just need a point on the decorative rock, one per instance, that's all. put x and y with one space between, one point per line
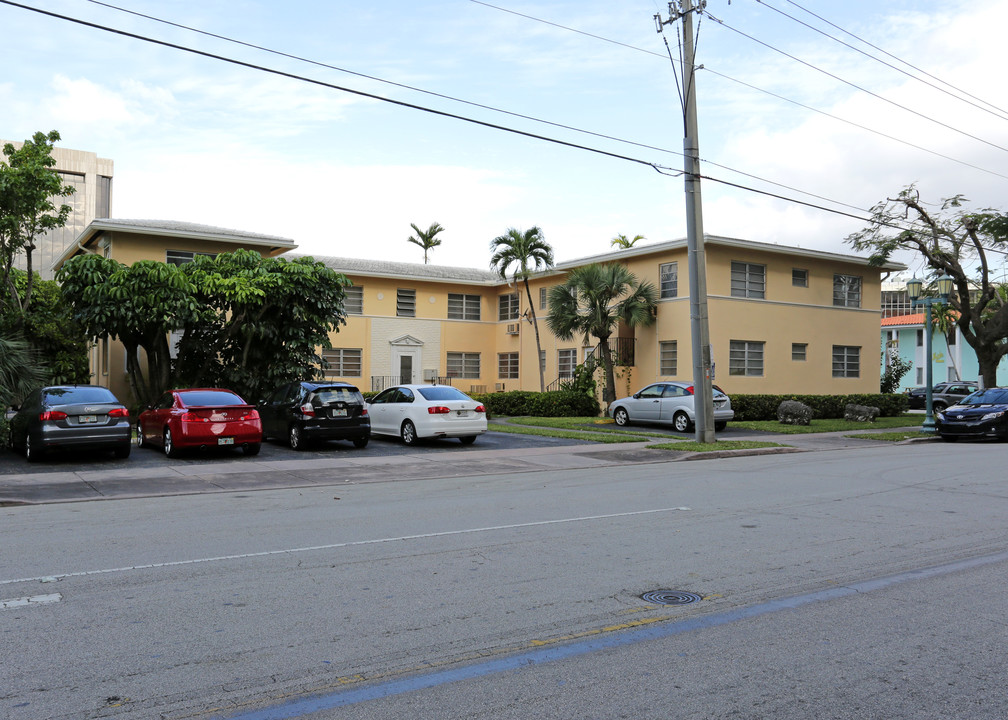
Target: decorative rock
792 412
860 413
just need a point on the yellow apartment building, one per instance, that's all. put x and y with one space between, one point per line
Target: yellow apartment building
782 319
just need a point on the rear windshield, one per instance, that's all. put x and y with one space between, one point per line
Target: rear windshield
67 396
337 394
988 396
443 392
195 398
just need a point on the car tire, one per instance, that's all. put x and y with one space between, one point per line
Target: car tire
938 406
621 417
408 433
681 422
32 454
251 449
169 447
467 439
295 439
123 451
719 426
360 442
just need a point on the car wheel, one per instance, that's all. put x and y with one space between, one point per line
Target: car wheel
719 426
251 449
360 442
681 421
295 438
140 441
169 447
467 440
621 417
32 454
408 433
123 451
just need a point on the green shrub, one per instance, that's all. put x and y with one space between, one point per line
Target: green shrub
764 407
564 403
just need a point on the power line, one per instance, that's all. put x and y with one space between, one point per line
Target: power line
879 60
853 85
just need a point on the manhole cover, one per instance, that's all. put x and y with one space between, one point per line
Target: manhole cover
670 597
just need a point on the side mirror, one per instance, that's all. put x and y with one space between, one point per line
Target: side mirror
636 396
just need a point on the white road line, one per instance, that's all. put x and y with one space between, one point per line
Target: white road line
33 600
356 543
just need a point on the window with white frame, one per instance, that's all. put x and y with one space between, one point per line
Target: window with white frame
920 338
405 302
799 351
745 357
566 362
542 360
507 365
847 290
846 361
463 364
668 278
748 280
354 302
183 257
668 357
543 298
507 306
463 307
342 362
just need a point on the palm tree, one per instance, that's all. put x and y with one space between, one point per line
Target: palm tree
20 369
623 242
513 254
593 301
425 238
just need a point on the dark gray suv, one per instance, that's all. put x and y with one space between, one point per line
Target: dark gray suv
943 394
302 412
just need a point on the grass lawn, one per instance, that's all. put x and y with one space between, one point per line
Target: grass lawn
547 431
830 425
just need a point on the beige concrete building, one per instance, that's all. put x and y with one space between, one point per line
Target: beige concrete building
91 178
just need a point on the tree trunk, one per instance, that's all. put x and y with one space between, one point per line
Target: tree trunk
535 325
988 362
610 377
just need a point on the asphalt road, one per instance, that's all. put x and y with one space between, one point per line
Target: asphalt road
846 583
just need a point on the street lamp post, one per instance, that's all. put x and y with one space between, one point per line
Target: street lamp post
914 288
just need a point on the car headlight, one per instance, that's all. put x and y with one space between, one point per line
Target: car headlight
940 417
992 416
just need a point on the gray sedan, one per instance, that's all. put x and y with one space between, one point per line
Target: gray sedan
82 417
668 402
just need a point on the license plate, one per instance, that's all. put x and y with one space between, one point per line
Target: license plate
337 412
225 441
462 413
87 419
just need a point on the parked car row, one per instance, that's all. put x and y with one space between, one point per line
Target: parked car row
299 413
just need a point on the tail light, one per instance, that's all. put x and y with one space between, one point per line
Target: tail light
193 417
118 412
307 409
363 412
50 415
252 414
690 389
438 410
480 408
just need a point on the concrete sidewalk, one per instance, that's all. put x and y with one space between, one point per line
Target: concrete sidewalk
259 474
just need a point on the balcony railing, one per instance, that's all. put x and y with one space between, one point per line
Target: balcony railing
380 382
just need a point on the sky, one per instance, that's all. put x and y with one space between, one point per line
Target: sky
782 109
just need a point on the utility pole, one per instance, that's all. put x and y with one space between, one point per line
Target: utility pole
703 395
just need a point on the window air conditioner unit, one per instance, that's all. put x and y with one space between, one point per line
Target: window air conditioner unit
512 328
498 387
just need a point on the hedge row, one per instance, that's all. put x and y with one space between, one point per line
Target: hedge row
553 403
764 407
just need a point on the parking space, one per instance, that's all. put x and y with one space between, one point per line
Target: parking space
150 458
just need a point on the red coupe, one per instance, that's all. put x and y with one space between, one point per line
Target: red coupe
200 418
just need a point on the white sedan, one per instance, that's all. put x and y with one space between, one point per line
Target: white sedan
426 411
668 402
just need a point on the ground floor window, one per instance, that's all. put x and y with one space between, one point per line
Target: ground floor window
566 362
745 357
342 362
507 365
668 358
463 364
846 361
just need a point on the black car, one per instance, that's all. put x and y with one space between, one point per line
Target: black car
983 414
81 417
943 394
302 412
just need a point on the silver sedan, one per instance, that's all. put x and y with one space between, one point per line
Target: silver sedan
668 402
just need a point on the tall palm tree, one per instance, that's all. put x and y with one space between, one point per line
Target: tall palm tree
425 238
623 242
593 301
518 254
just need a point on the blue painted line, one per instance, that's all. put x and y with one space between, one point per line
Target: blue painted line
540 656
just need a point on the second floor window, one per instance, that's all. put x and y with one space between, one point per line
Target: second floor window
507 307
668 277
405 303
354 303
748 280
847 291
463 307
799 277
